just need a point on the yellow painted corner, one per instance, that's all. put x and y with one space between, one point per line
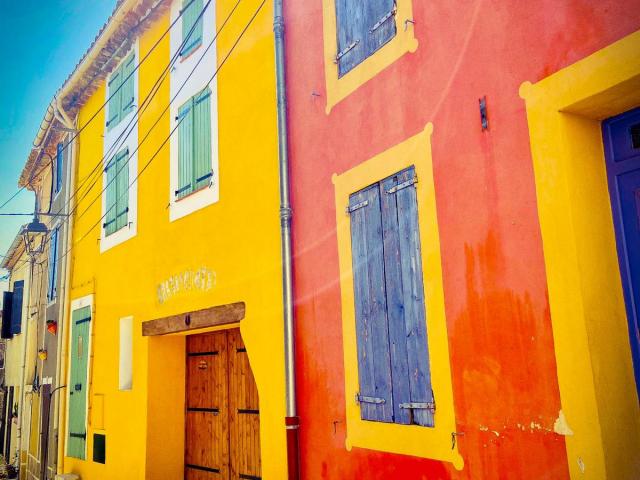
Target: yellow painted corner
403 42
434 443
595 372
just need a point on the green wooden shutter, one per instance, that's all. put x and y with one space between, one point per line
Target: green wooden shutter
78 385
202 139
113 116
110 198
191 26
122 189
185 150
127 92
374 370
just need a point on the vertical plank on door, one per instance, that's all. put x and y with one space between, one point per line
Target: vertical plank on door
206 446
244 421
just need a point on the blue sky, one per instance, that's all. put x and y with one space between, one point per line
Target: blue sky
42 40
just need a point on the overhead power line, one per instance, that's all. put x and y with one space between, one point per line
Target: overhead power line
154 46
173 130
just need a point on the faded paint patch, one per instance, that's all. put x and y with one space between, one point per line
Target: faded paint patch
561 427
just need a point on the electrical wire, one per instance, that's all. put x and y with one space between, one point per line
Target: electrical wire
33 175
244 30
159 118
140 109
120 140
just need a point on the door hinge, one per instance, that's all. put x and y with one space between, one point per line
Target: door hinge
381 22
353 208
402 185
345 51
78 435
365 399
419 406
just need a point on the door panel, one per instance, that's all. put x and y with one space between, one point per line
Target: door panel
207 455
222 417
622 142
244 416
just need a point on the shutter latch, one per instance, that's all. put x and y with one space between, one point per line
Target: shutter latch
345 51
365 399
402 185
353 208
431 406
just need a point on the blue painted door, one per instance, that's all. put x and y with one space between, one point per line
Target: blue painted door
621 136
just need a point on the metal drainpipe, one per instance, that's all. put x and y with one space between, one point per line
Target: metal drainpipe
292 421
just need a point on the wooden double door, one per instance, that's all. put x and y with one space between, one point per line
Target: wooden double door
222 411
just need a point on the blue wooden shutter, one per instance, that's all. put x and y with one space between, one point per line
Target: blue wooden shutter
202 139
351 28
412 393
53 267
374 370
7 301
191 26
380 24
113 115
127 91
185 150
362 28
59 166
122 189
16 307
110 198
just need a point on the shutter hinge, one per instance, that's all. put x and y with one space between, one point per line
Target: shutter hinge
345 51
420 406
365 399
402 185
381 22
353 208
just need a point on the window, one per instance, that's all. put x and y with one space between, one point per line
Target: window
194 149
54 248
117 193
191 26
59 167
121 92
125 372
393 358
362 28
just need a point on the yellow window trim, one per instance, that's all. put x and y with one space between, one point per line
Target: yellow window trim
588 317
434 443
404 41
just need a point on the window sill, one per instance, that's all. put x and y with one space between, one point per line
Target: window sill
184 58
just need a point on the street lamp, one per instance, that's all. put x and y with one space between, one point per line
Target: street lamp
34 235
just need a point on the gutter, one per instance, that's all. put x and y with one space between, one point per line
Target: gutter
292 421
64 311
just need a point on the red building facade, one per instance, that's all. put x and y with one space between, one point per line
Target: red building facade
446 91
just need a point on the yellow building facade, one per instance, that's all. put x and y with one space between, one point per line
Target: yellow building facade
177 258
